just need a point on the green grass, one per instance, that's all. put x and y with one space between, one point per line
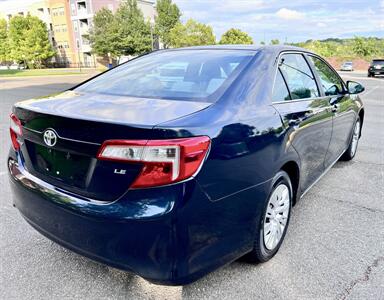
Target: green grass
40 72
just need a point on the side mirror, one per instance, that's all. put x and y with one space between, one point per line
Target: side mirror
354 87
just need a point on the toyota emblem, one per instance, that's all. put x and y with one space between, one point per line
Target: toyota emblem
50 138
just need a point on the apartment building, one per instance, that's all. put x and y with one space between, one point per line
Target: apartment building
62 39
68 23
56 16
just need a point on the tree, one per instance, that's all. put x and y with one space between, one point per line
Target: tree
104 33
363 47
29 41
16 35
3 40
36 45
275 42
125 33
133 33
192 33
235 36
168 15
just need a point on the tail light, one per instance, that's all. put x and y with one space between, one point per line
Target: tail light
164 161
15 131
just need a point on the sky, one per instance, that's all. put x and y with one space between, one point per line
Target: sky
290 20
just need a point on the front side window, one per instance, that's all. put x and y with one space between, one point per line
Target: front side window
299 77
330 81
174 75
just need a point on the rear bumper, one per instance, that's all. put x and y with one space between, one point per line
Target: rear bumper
126 234
376 71
170 235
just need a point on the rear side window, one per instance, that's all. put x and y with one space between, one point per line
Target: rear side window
330 81
196 75
280 90
298 76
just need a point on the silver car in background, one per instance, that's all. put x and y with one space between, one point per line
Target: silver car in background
346 66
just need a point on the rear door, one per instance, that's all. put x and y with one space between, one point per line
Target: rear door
343 113
305 112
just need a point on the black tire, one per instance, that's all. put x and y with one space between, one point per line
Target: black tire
350 153
260 253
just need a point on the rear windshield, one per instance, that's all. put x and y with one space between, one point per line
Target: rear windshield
196 75
378 62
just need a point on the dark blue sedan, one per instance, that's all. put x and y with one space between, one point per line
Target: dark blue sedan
183 160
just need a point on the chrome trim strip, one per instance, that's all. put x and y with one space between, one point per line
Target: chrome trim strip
19 173
321 176
302 100
60 137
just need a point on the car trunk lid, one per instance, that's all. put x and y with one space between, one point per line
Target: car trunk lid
81 123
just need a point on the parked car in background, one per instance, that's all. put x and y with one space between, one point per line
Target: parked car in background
347 66
376 68
183 160
16 67
4 67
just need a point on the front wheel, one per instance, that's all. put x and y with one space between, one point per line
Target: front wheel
352 148
274 222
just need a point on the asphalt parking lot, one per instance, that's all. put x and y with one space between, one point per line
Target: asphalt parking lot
334 248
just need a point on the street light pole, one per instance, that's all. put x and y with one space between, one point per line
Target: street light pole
150 24
78 54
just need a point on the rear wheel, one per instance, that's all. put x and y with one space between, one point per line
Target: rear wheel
352 148
274 222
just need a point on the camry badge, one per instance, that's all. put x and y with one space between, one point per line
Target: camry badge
50 138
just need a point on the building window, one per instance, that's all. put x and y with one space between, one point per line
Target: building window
75 28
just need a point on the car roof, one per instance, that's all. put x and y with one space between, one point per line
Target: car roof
269 48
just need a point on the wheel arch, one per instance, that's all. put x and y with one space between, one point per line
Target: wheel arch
361 116
293 171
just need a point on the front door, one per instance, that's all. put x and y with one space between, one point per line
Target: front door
342 109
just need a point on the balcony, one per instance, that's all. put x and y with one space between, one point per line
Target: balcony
82 8
84 27
84 30
86 48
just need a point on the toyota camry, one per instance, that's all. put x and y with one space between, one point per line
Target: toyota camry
182 160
